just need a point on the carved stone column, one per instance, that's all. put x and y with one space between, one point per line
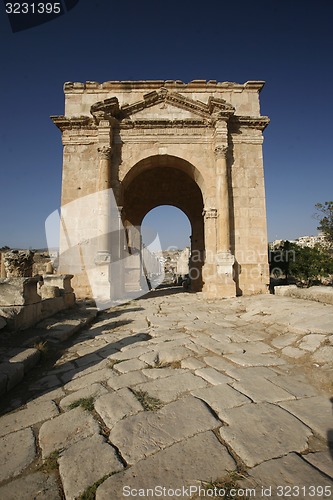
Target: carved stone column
224 259
209 268
104 205
222 198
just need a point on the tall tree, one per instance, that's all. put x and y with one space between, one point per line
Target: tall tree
325 218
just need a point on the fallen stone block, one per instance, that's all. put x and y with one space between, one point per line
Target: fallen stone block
14 373
3 322
29 357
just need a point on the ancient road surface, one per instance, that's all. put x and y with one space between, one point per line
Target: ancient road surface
176 392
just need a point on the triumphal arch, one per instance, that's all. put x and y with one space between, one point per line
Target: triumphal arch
196 146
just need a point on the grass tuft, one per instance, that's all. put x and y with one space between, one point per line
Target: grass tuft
41 347
51 462
149 403
90 492
85 403
113 362
227 487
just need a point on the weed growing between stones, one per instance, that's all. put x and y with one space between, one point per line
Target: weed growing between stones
51 462
227 487
149 403
41 347
90 492
85 403
172 364
165 364
113 362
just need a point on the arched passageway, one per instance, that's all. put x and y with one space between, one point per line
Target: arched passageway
165 181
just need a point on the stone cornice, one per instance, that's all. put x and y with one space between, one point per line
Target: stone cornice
79 87
256 122
79 122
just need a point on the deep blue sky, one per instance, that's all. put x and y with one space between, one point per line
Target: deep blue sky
289 44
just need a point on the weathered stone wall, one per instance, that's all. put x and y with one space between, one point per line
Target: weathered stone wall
26 301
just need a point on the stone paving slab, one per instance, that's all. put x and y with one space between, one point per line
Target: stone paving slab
260 432
39 486
13 463
296 385
130 379
255 329
311 342
240 373
34 413
81 382
315 412
65 430
221 397
84 463
213 376
322 460
92 391
163 372
170 388
114 407
285 340
282 477
260 390
141 435
199 458
249 359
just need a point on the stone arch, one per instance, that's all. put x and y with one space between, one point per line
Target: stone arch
205 134
167 180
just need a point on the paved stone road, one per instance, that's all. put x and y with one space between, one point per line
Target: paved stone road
184 391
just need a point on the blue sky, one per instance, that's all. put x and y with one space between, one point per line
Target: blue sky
289 44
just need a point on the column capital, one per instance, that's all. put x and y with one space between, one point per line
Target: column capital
104 152
221 151
210 213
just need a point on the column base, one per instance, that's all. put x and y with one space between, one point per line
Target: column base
218 290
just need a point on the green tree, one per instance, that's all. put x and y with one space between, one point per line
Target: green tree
311 264
325 218
307 265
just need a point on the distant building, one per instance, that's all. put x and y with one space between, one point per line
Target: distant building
183 262
302 241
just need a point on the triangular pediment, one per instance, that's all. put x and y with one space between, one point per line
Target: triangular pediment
165 111
163 105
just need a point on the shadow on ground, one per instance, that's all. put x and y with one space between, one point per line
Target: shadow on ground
47 376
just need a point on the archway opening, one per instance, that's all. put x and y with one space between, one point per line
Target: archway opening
166 233
167 181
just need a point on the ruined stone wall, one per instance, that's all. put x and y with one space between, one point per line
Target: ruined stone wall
24 301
